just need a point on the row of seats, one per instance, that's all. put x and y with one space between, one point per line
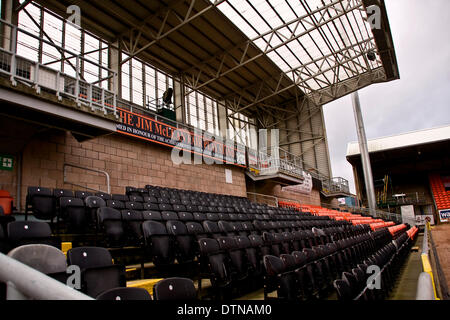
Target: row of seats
67 207
44 203
354 285
309 274
20 233
128 227
100 277
227 261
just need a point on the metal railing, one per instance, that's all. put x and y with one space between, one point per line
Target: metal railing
24 282
407 198
43 76
425 290
278 162
263 198
106 174
379 214
335 185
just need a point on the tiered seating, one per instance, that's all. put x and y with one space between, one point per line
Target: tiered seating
226 239
396 231
100 277
309 273
354 285
441 196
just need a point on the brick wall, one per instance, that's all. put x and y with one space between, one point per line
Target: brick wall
129 162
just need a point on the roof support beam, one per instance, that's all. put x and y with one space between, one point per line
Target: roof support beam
23 5
282 144
301 76
188 18
240 56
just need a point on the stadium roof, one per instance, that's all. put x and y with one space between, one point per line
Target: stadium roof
405 140
261 55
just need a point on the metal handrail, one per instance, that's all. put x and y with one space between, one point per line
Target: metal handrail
425 289
423 284
255 195
108 184
25 282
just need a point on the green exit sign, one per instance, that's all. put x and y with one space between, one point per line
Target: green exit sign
6 162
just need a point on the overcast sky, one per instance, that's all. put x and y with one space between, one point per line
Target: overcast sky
419 100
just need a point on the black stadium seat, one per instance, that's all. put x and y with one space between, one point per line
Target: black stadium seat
215 263
196 229
83 194
41 203
177 289
238 257
98 273
104 196
186 247
92 203
129 293
31 232
151 215
73 212
110 224
44 258
158 243
132 223
115 204
134 205
58 193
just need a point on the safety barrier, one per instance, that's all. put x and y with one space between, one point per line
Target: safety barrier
106 174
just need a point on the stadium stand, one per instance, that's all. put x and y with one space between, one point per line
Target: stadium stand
236 244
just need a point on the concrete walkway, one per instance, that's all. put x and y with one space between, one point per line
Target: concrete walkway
406 285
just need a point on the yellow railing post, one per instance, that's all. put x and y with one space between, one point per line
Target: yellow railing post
426 260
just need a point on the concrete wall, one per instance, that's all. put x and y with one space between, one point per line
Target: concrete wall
129 162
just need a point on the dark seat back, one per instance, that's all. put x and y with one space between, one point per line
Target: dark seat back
31 232
42 202
177 289
73 212
186 244
110 223
125 294
158 243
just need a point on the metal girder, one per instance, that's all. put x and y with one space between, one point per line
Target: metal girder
214 67
304 73
161 34
23 5
311 147
348 86
282 144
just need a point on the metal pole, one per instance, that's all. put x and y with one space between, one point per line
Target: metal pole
24 281
368 179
